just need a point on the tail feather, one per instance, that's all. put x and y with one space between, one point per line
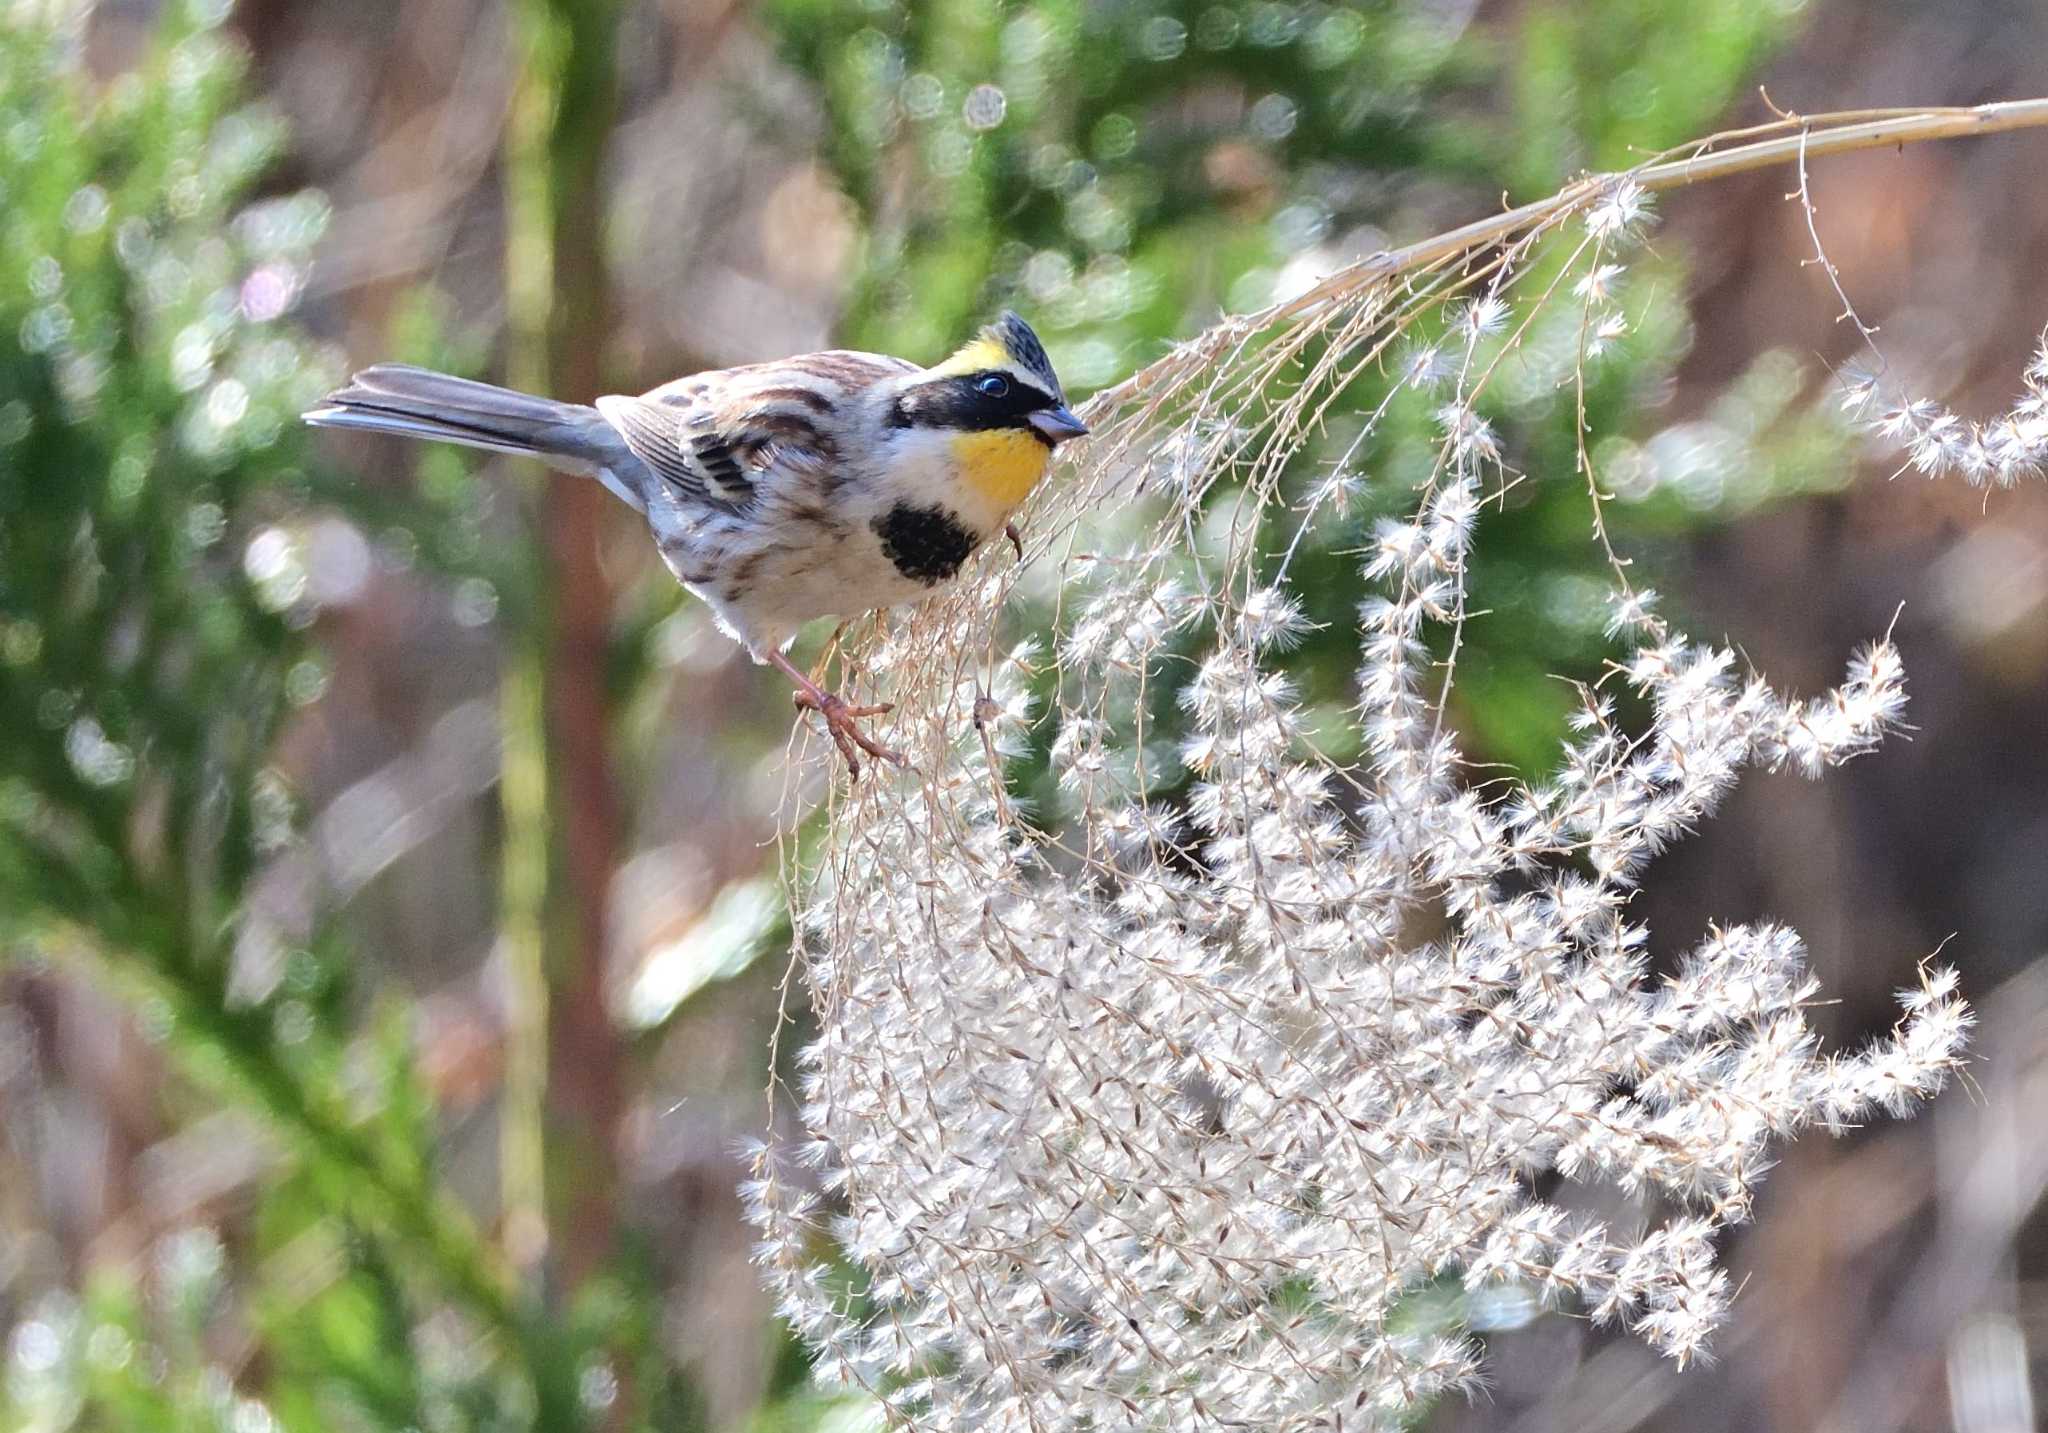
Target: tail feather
368 419
410 402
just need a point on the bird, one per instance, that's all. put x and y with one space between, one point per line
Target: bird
823 485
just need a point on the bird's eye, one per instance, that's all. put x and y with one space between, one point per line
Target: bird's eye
992 385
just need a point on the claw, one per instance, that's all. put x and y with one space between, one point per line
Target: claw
842 721
842 718
1016 538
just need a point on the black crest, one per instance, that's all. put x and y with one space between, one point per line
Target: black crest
1025 350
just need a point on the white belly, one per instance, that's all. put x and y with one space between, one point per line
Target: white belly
763 593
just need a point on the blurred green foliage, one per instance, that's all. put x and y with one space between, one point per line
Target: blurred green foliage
1633 79
145 388
1119 171
153 606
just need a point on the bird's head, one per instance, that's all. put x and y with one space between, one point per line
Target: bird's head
1002 407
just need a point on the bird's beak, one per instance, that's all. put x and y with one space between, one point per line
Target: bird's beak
1056 425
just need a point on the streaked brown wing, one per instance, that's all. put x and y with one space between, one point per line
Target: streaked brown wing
712 434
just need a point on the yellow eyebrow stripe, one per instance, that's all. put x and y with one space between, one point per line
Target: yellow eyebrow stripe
981 353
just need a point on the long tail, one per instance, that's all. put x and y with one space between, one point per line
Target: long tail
413 402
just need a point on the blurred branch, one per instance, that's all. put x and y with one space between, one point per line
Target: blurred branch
561 806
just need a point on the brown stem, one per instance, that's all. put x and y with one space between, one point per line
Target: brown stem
560 301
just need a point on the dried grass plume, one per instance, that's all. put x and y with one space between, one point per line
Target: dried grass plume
1158 1109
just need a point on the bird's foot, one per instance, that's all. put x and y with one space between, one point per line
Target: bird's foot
842 720
1016 539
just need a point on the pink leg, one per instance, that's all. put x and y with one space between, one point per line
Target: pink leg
841 718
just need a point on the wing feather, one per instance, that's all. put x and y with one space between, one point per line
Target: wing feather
654 434
712 436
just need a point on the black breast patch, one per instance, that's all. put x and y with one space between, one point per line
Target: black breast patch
927 545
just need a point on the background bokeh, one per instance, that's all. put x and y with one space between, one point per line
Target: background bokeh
389 876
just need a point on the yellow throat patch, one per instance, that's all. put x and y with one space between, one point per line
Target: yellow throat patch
1002 465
